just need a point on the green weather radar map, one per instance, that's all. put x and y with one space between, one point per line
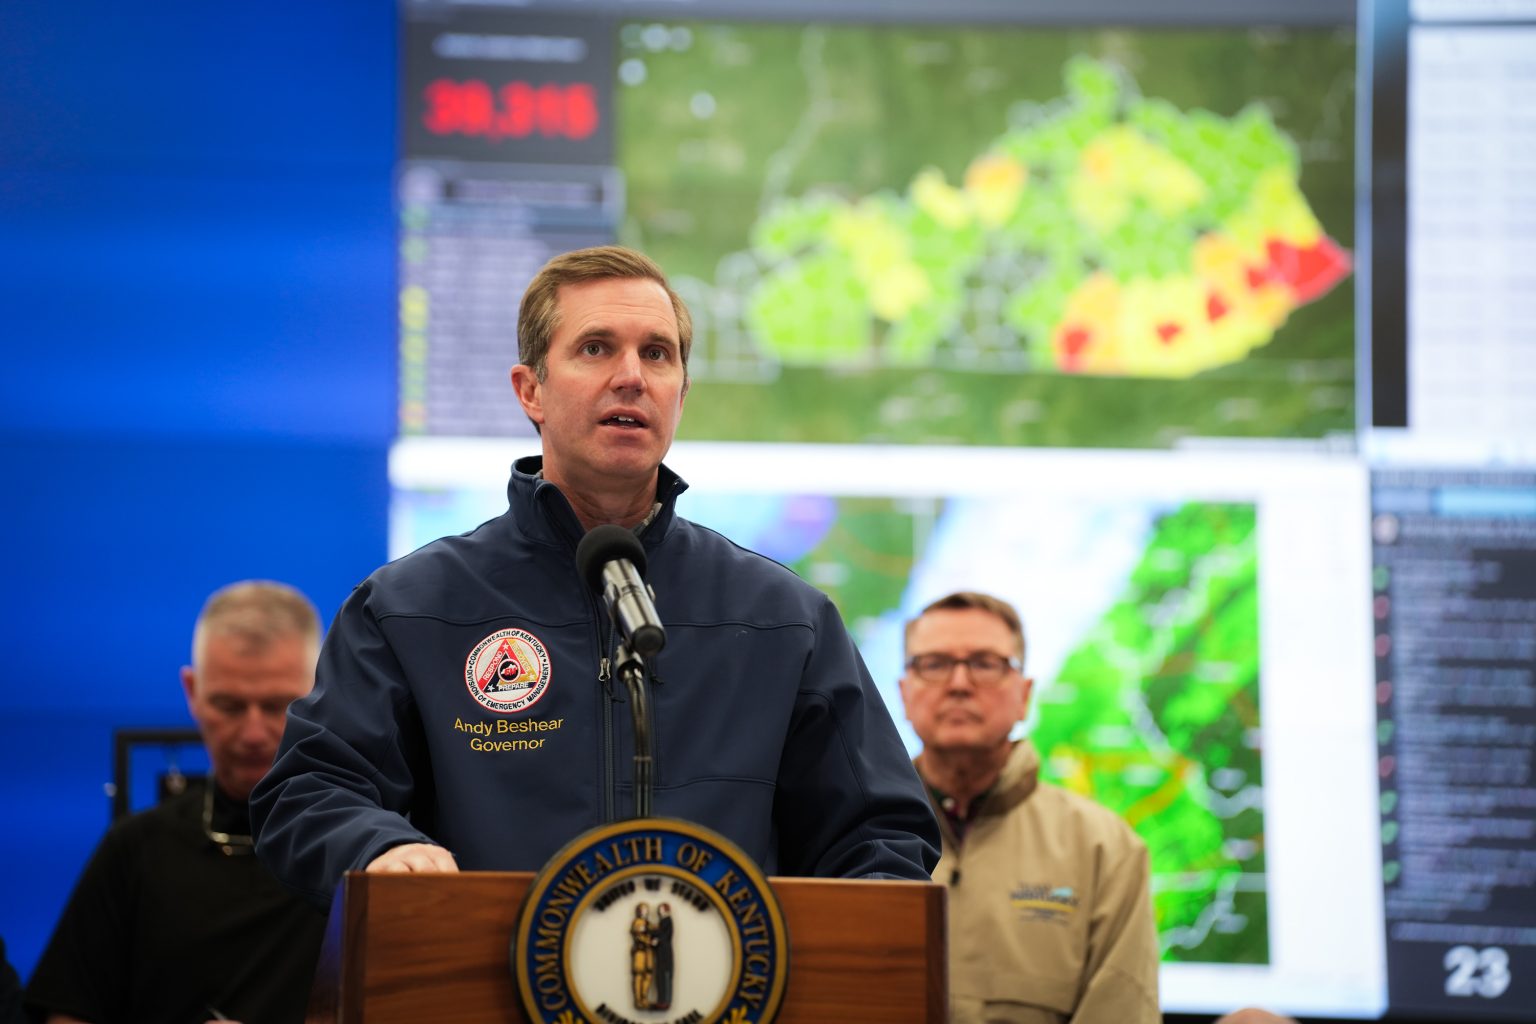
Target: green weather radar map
1155 714
999 236
1142 625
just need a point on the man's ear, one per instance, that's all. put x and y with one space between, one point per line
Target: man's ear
1024 694
189 683
906 697
525 384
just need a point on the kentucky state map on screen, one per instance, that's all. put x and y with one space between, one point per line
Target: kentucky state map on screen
999 236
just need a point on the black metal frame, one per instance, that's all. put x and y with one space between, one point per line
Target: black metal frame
125 741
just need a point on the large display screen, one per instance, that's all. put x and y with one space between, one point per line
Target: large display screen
1078 312
960 234
1197 634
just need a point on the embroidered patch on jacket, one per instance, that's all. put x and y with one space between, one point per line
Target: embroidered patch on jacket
508 671
1044 902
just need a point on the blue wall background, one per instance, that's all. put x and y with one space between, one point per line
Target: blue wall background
197 330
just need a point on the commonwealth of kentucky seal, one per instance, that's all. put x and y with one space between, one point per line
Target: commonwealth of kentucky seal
508 670
650 920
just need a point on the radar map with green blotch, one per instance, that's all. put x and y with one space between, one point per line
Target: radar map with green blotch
1156 716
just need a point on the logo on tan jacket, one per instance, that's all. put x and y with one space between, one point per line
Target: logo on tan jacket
1044 902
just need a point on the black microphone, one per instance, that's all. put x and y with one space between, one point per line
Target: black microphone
612 561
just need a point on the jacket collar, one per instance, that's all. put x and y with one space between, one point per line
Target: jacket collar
542 512
1020 776
1014 784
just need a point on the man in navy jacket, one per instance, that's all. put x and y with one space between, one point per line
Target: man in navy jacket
466 714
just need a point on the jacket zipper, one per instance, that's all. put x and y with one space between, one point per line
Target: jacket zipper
605 679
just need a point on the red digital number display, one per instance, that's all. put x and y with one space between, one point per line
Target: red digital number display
516 110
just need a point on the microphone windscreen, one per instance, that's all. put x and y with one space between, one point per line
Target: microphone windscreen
603 544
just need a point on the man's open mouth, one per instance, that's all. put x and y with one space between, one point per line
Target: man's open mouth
623 421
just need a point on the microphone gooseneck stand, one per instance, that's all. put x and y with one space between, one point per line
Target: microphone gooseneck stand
612 561
631 669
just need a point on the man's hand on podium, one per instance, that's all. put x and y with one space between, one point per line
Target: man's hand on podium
407 858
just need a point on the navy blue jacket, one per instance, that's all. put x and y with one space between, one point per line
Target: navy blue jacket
463 697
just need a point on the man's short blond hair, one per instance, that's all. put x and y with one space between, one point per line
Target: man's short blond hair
257 612
966 600
539 315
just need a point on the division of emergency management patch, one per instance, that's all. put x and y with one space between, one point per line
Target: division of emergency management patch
650 921
508 671
1044 902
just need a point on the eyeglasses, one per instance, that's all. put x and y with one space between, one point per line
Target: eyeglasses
984 669
227 843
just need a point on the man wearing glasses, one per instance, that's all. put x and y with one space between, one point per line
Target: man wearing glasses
173 919
1050 912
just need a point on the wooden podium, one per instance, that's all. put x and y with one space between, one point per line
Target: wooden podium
413 948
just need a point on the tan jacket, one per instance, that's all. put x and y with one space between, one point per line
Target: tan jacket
1050 912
